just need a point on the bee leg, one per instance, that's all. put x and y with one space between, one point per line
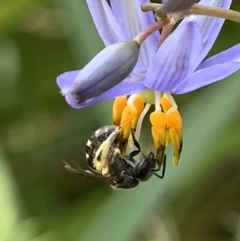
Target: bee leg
128 182
136 144
163 167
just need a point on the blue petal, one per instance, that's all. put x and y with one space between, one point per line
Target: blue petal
108 68
209 26
65 81
175 59
133 21
124 88
212 70
105 22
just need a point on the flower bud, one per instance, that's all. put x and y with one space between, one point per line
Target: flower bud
108 68
177 5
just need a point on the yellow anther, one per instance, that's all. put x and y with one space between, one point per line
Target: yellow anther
168 139
174 123
158 121
118 107
124 139
174 119
128 115
139 104
165 103
158 130
158 140
177 141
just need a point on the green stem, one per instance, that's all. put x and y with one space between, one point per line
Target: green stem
198 9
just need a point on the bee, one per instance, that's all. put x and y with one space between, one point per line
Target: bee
108 165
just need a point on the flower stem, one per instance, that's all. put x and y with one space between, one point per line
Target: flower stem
158 96
140 121
198 9
166 31
149 30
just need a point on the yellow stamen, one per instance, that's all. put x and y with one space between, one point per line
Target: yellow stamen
128 115
168 139
158 121
166 124
165 103
158 130
174 123
118 107
159 143
177 141
139 105
174 119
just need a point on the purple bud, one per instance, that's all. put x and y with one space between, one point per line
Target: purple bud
177 5
108 68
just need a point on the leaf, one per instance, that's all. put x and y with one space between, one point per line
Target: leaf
8 201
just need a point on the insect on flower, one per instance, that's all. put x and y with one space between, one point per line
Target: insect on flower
160 67
108 165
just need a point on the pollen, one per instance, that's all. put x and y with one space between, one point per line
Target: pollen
174 123
128 114
118 107
165 103
166 126
127 117
166 121
158 121
174 119
139 105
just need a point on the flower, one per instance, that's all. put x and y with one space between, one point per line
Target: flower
176 67
104 71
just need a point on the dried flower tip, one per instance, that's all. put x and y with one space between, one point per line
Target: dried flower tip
170 6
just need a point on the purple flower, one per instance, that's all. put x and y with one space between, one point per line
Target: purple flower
176 67
108 68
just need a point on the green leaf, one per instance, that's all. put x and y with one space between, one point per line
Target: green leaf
8 200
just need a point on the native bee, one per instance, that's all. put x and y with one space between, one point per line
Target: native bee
108 165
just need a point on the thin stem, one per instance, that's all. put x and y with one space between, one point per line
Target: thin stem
140 121
199 9
215 12
131 99
172 101
150 29
158 96
145 7
166 31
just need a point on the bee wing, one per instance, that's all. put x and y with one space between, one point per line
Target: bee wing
78 170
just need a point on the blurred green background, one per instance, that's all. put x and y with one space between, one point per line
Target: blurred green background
41 201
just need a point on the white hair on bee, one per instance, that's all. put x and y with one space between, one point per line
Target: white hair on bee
105 152
89 143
